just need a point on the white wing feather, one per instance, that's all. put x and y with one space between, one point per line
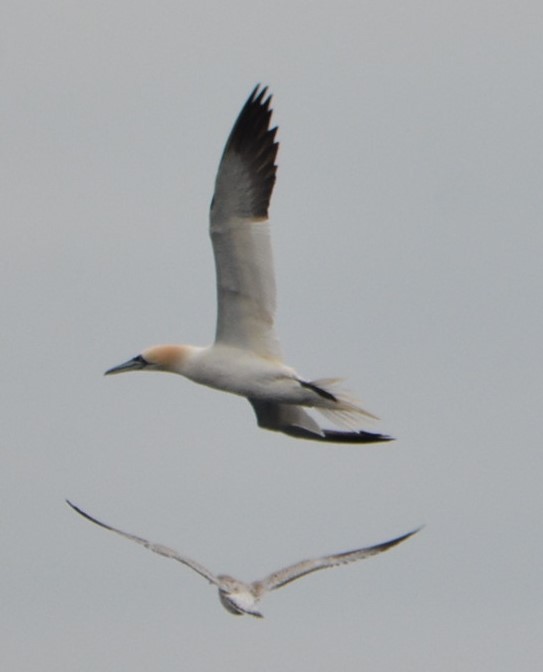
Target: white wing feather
156 548
296 571
240 233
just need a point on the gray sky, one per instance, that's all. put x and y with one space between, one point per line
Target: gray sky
407 234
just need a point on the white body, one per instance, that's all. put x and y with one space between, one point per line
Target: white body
246 374
245 358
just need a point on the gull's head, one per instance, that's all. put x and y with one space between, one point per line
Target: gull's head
168 358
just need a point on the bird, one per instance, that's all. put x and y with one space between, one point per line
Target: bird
245 358
238 597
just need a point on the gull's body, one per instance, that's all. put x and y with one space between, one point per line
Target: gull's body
238 597
245 358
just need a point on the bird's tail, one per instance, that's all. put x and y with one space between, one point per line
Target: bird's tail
339 405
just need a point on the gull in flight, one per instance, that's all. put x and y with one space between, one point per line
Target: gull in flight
245 358
240 598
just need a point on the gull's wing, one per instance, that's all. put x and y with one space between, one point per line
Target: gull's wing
284 576
240 232
294 421
156 548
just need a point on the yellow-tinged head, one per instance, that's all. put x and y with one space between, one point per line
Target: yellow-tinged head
169 358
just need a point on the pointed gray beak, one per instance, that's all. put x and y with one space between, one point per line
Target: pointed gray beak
135 364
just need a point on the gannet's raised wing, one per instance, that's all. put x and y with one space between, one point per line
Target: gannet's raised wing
288 574
156 548
240 232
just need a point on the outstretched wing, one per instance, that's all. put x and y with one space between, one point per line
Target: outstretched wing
240 233
284 576
156 548
294 421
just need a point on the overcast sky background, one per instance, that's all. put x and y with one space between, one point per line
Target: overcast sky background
407 234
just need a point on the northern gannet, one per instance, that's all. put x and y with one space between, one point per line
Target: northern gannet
245 358
238 597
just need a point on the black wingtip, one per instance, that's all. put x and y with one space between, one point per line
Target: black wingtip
253 139
336 436
355 437
257 96
87 516
251 130
78 510
398 540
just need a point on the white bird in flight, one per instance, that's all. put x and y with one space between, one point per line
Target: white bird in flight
240 598
245 358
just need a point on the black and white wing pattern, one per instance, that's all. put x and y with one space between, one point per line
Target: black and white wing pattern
240 232
295 421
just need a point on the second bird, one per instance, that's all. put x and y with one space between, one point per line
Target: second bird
239 597
245 358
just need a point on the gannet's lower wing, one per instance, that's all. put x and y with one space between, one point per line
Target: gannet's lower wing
294 421
284 576
240 233
156 548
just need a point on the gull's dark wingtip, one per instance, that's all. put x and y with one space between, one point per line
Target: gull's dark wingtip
398 540
88 516
78 510
71 504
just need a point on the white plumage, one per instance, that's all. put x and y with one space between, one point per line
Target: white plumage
245 358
